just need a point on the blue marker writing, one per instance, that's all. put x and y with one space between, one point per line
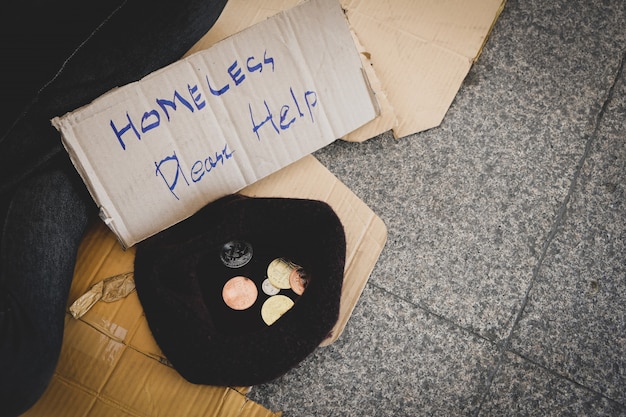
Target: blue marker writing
169 169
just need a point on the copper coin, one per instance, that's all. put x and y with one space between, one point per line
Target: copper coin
274 307
298 280
278 273
239 293
236 253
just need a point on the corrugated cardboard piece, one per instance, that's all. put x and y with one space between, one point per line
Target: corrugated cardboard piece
110 364
420 52
154 152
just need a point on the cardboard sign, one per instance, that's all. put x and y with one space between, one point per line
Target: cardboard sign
154 152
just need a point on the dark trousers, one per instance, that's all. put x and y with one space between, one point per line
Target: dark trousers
56 57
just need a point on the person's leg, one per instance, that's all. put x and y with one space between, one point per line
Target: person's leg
41 231
44 206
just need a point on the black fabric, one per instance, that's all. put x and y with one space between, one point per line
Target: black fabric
56 57
179 277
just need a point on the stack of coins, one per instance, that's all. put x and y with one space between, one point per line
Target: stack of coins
284 282
282 274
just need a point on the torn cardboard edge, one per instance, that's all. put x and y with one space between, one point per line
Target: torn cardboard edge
417 53
437 42
154 152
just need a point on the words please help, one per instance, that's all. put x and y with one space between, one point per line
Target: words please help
154 152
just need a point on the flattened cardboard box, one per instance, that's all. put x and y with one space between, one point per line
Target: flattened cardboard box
110 364
154 152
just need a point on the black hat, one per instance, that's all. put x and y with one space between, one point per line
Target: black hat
181 273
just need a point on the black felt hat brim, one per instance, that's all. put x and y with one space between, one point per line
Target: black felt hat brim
176 284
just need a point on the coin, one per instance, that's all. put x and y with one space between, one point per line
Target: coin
298 280
236 253
278 273
274 307
268 288
239 293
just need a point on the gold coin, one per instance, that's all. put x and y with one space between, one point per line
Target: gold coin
274 307
239 293
268 288
278 273
298 280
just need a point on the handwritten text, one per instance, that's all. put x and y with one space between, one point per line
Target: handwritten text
172 174
190 100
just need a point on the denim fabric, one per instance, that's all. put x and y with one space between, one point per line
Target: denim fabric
58 56
42 228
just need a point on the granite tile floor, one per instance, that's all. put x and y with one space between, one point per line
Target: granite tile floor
501 290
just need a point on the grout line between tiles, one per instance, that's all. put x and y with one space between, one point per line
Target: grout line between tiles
430 312
505 346
564 377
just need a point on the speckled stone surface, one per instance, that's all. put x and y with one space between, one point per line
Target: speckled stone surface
523 388
409 358
575 319
502 287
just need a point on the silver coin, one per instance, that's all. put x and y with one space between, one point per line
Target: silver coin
236 253
268 288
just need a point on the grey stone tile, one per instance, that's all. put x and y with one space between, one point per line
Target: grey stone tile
575 319
392 360
524 389
470 204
